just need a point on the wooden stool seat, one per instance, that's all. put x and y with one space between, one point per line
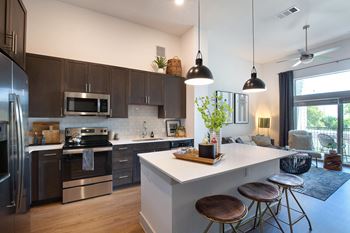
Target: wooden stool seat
221 208
259 192
287 180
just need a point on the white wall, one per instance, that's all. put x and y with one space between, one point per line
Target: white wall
269 101
59 29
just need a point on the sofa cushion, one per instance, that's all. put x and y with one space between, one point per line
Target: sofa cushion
239 140
246 140
261 140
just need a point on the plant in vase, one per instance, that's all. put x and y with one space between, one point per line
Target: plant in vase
161 63
215 113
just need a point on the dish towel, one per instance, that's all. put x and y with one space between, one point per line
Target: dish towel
88 160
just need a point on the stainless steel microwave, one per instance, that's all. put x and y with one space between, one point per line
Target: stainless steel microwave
86 104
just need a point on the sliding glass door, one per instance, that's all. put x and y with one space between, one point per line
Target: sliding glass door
345 147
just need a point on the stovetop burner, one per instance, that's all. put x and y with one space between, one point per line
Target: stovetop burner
86 138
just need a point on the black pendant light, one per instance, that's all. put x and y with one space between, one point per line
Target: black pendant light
254 84
199 74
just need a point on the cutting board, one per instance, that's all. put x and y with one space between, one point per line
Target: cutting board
51 131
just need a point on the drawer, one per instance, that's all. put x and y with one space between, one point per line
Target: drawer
49 154
122 177
122 148
122 160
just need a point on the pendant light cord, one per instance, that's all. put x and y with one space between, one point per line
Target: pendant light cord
253 32
199 54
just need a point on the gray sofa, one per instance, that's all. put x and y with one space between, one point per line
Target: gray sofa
258 140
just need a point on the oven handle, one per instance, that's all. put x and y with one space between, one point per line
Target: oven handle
80 151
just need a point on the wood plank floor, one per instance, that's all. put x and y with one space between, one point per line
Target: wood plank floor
116 213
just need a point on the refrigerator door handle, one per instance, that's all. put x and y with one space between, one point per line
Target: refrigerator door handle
17 125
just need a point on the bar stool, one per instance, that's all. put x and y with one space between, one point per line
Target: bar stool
221 209
260 193
286 182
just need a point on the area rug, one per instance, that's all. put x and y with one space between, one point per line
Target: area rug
321 183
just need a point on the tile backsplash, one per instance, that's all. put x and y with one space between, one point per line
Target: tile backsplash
128 127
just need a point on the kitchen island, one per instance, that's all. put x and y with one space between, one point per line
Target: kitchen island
170 187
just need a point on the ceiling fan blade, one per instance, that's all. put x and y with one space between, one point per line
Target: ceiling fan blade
325 51
292 59
296 64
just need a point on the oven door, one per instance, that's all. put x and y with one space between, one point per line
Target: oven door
72 164
86 104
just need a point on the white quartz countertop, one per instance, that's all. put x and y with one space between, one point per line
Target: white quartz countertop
123 141
236 156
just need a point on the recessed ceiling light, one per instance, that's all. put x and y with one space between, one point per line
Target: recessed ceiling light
179 2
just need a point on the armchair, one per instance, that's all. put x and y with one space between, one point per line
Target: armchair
301 141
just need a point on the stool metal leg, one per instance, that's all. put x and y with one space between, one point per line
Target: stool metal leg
274 217
301 208
280 202
208 227
222 228
233 228
256 214
249 208
261 227
289 214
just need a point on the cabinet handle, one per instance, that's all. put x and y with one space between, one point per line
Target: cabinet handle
89 87
123 177
16 41
86 87
49 155
123 148
123 160
61 112
11 205
146 99
111 112
149 99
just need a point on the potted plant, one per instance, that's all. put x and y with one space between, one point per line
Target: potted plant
215 113
161 63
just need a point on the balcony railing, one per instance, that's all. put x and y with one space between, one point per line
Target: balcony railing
333 133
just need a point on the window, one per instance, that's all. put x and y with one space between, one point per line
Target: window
322 108
329 83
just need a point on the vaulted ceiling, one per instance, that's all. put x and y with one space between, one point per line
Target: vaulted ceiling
231 20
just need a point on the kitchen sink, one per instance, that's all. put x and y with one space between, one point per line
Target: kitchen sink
147 139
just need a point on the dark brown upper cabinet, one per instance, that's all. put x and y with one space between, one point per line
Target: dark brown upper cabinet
98 78
45 76
75 77
86 77
119 92
13 30
155 89
146 88
175 99
137 87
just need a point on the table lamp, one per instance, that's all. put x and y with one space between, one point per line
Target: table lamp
264 123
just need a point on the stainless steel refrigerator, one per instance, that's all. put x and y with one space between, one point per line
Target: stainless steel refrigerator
14 159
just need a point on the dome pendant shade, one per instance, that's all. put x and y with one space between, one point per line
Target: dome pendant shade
199 74
254 84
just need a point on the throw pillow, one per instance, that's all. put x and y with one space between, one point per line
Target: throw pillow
227 140
239 140
301 142
261 140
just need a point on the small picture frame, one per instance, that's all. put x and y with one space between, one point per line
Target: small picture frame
229 99
171 126
241 111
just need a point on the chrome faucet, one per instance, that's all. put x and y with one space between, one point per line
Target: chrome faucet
144 130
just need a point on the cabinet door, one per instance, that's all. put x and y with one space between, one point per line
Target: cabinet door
155 89
75 77
45 79
18 26
137 87
99 76
175 99
4 25
119 92
49 175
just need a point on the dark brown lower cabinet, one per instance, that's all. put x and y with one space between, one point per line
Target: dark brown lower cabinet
46 175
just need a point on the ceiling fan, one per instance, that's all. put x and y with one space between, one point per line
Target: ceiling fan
306 57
